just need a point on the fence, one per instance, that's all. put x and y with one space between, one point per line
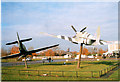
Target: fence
88 74
51 73
108 69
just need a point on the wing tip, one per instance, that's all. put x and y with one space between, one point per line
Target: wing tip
56 45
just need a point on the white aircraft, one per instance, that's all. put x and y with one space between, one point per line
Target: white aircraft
82 37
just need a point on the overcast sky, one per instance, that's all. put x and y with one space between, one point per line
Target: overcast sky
31 18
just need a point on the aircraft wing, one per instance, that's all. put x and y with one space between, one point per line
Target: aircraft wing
33 51
62 37
11 56
67 38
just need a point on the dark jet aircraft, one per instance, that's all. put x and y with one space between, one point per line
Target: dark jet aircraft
23 50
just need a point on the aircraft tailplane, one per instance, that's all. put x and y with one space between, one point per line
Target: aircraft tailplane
14 42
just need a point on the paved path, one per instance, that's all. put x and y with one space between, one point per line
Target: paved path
40 61
30 62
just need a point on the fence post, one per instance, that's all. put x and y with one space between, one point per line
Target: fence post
28 72
107 69
91 73
19 72
104 71
63 73
99 74
110 68
50 73
38 72
76 74
10 71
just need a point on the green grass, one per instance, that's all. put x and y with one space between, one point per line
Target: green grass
9 60
25 77
86 67
115 75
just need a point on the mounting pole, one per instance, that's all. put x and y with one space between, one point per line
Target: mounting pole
25 62
79 60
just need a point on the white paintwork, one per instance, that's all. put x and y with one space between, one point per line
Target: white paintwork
67 56
27 59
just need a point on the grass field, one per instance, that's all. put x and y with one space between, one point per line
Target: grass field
9 60
86 67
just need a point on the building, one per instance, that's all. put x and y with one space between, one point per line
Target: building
113 49
67 56
82 56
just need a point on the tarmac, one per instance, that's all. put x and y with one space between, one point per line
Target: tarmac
56 60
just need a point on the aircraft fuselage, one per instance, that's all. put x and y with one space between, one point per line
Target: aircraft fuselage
22 47
84 37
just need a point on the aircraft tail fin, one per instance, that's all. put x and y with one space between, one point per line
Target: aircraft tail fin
18 37
14 42
98 40
98 36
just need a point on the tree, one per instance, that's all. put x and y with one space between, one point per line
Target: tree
56 50
50 52
85 51
14 50
3 52
42 53
74 53
61 52
92 50
101 51
33 54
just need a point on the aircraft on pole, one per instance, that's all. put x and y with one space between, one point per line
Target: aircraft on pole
82 37
23 51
